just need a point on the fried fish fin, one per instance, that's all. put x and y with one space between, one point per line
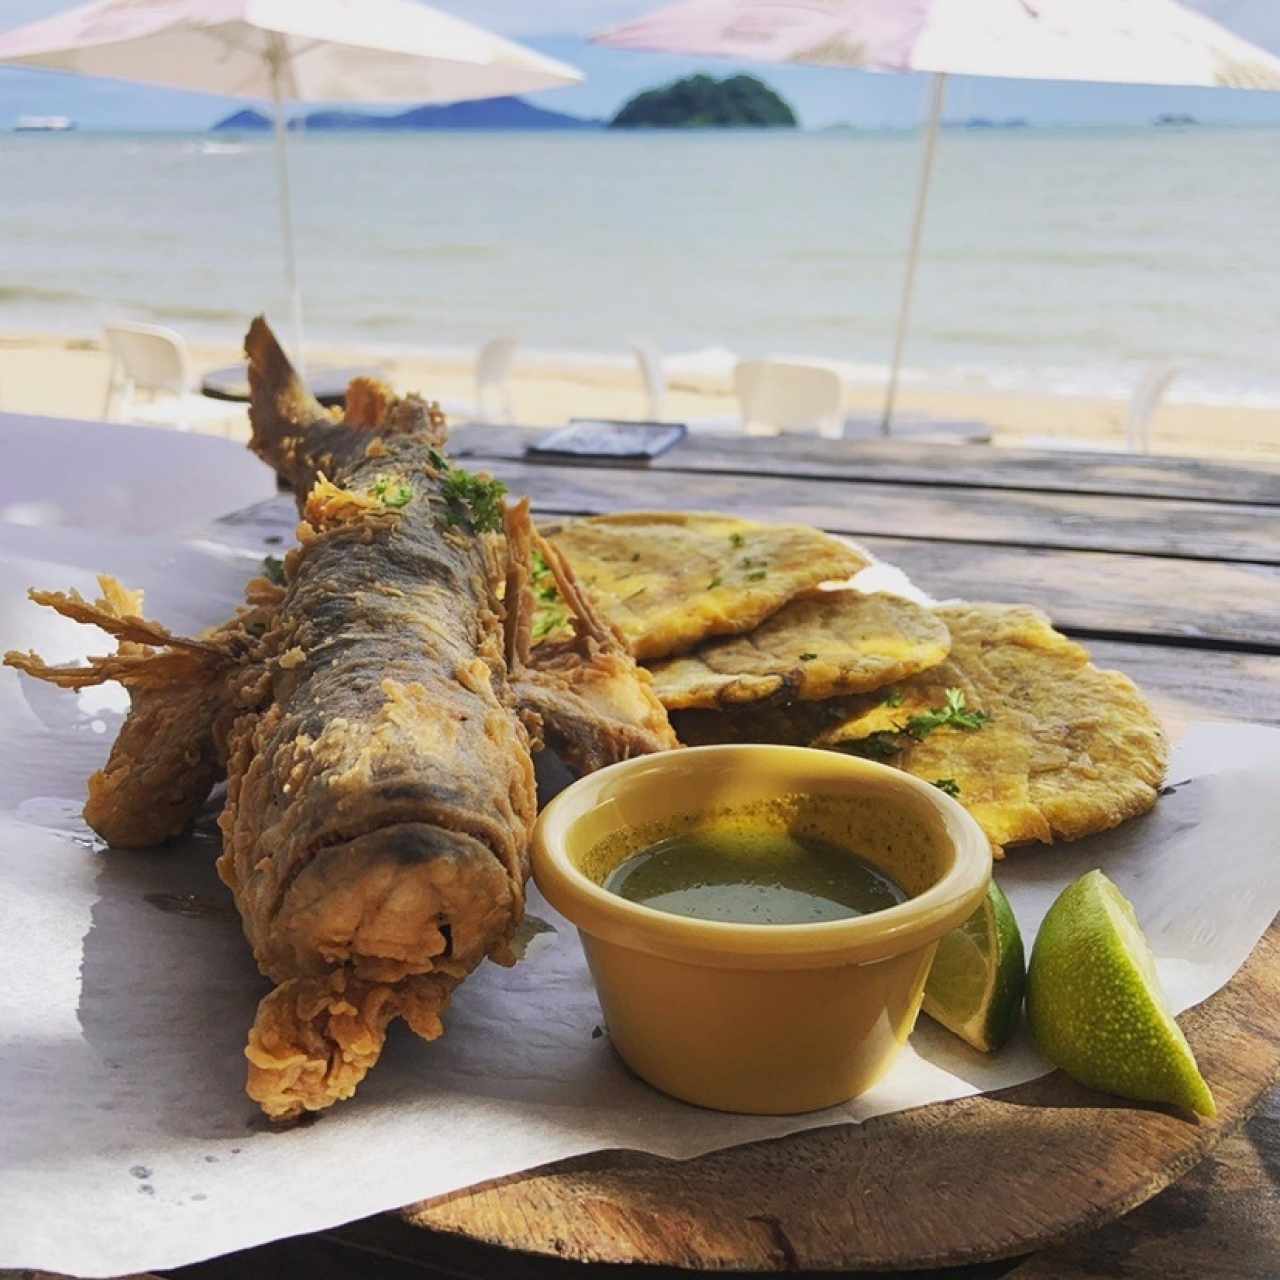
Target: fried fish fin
299 438
594 704
168 754
314 1039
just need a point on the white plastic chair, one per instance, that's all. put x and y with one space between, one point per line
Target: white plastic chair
151 359
653 377
493 379
783 397
1143 404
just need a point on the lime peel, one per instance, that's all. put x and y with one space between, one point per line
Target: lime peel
976 983
1095 1005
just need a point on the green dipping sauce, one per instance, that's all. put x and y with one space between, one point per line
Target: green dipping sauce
746 876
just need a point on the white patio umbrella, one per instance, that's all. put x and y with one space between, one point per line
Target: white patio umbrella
374 51
1118 41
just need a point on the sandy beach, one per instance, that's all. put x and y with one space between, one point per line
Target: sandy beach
67 377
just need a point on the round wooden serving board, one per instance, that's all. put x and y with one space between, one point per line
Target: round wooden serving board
956 1182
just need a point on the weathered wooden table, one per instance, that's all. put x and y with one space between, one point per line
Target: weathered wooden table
328 385
1167 569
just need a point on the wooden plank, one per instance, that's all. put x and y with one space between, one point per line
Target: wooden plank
1106 596
441 1256
1154 527
969 466
1052 1158
1085 592
1222 1220
1197 684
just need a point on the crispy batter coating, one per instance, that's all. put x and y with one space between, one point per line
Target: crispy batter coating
1069 750
380 799
669 580
822 645
315 1039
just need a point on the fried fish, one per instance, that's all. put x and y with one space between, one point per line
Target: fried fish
669 580
374 718
822 645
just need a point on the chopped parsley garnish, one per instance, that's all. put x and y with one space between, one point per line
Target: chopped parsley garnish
551 615
807 657
952 714
949 785
544 581
715 582
391 493
476 499
273 570
893 698
756 575
884 744
736 540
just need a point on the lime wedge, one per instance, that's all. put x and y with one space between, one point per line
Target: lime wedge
976 983
1095 1005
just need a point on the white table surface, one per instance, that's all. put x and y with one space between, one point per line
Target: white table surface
121 479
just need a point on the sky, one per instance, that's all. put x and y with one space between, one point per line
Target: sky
560 27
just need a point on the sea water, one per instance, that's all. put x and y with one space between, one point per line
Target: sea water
1054 260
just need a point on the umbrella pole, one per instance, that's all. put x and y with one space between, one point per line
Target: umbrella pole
936 98
276 56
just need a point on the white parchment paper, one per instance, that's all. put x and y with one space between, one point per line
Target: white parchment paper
126 1142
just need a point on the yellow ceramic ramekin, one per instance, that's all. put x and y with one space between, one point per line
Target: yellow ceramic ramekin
771 1019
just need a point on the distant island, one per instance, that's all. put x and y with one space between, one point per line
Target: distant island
1176 119
703 102
488 113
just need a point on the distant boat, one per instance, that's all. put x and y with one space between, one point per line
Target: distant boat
44 124
1176 119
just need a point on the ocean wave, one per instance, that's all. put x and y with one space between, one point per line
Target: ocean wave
34 293
1027 338
387 322
187 311
1001 256
444 252
837 253
1189 386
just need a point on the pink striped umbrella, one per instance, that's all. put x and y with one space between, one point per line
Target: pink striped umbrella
1118 41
